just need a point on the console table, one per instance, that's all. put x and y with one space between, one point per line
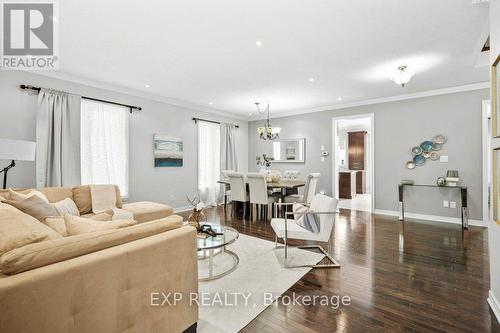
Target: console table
463 195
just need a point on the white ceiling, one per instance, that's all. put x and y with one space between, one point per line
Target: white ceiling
199 51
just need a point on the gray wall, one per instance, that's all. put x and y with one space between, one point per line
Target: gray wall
398 126
168 185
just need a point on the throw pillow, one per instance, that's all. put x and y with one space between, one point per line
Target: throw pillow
78 225
57 222
34 206
66 206
308 221
22 196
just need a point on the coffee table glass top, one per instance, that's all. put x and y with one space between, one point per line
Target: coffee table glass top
206 242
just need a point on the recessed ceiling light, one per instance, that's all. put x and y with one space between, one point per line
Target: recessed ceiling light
148 86
403 75
258 43
211 103
311 79
339 99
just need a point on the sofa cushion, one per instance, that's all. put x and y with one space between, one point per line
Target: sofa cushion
52 251
18 229
79 225
34 206
147 211
66 206
18 195
55 194
57 223
83 199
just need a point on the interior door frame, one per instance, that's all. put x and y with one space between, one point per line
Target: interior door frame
487 162
371 157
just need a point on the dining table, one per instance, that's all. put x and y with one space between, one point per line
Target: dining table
284 185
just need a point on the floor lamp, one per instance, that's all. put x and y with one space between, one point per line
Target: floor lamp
15 150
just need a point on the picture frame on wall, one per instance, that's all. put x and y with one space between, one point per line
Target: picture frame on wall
495 96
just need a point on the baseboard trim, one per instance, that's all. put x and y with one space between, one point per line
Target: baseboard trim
494 305
182 209
437 218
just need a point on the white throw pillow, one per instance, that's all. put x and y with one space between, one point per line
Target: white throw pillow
308 221
78 225
66 206
17 196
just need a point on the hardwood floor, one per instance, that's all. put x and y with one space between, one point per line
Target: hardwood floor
415 276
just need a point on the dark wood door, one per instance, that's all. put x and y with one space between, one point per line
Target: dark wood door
356 150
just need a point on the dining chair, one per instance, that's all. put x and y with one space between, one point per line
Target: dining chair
322 208
225 187
290 174
309 190
259 194
239 192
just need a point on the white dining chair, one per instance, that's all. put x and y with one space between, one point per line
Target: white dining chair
309 190
290 174
324 209
259 194
225 187
239 192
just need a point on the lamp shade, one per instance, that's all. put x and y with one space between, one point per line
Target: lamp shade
17 150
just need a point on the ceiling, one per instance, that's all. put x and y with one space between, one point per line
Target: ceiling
204 53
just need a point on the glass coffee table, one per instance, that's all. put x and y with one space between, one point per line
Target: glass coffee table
214 260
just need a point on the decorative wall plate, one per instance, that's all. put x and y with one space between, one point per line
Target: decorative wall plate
410 165
440 139
437 146
419 160
434 156
416 150
426 145
426 154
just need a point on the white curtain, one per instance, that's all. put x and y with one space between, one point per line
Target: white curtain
58 139
208 161
104 144
228 147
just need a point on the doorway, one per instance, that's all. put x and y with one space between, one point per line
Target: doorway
353 161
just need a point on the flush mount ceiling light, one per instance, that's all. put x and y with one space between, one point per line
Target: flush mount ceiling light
267 132
403 75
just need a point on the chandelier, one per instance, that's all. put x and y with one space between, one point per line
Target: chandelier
267 132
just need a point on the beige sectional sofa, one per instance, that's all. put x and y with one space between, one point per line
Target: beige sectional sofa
100 281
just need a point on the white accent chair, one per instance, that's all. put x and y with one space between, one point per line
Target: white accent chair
324 207
259 195
290 174
309 190
239 192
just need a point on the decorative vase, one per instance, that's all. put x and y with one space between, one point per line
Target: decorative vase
196 217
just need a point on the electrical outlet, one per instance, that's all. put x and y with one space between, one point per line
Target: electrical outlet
453 204
446 204
322 158
172 197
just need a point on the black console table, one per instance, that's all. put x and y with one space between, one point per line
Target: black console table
463 195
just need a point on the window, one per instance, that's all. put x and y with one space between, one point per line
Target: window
208 162
104 144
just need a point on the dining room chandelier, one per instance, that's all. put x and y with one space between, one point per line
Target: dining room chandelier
267 132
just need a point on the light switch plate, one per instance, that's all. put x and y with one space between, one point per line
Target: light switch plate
446 203
322 159
453 204
443 159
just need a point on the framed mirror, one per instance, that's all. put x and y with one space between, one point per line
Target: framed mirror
495 97
289 151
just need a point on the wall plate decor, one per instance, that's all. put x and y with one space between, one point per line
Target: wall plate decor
410 165
426 145
434 156
416 150
426 150
495 97
439 139
168 151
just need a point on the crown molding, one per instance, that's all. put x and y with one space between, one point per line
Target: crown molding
136 93
427 93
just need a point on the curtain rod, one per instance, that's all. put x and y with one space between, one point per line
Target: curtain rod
138 108
210 121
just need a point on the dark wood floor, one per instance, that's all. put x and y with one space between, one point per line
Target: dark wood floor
414 276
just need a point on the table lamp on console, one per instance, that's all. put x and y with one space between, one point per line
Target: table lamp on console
15 150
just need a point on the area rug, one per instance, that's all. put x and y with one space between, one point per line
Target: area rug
228 304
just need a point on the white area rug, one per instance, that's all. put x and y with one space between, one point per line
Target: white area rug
247 291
